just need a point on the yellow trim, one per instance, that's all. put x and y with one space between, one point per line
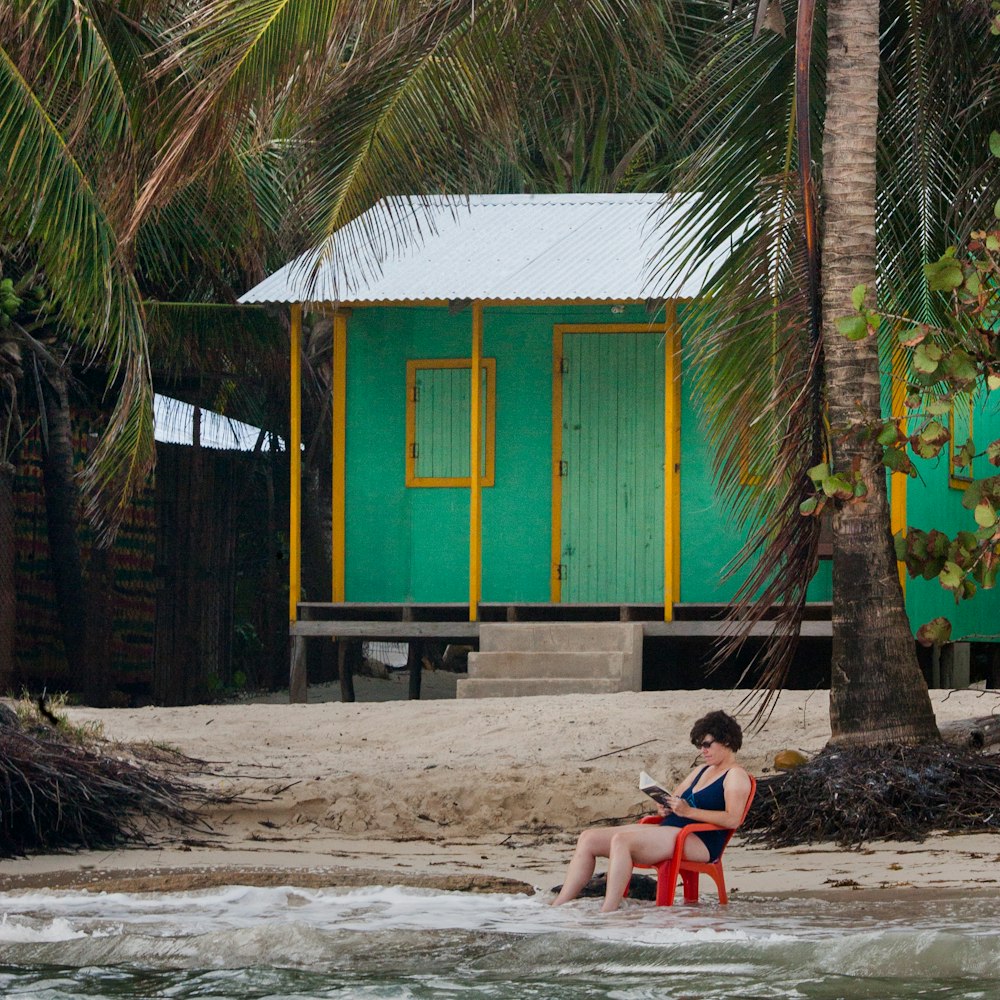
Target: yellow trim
959 480
295 465
475 484
488 476
898 480
339 457
672 465
671 506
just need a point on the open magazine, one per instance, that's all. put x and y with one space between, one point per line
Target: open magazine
654 789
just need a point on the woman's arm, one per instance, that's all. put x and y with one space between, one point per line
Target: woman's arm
736 787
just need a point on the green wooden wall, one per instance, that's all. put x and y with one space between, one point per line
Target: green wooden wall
411 544
932 502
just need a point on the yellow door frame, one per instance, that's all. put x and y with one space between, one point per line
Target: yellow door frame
898 480
475 478
671 447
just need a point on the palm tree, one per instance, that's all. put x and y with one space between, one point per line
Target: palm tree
78 133
884 93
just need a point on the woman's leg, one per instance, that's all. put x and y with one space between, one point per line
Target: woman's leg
642 845
591 845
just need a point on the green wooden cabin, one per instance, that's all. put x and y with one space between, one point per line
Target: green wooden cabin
592 484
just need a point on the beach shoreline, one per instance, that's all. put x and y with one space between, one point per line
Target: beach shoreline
473 795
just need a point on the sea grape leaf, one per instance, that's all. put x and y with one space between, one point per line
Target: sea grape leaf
889 433
935 632
951 576
853 327
944 274
926 357
838 487
959 366
818 473
985 515
858 292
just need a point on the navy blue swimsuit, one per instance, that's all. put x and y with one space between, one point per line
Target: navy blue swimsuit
713 797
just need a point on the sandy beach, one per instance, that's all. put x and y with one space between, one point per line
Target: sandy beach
481 794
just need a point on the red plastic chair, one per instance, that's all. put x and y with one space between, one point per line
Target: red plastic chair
668 871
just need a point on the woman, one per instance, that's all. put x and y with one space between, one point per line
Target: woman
716 792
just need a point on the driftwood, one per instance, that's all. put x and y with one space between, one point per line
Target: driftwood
56 794
974 734
853 795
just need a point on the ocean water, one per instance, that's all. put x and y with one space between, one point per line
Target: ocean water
278 944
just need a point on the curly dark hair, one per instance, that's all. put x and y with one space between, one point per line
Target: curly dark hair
721 726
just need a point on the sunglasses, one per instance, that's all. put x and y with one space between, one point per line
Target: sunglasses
705 744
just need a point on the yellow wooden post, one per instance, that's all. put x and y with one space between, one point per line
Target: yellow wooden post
339 456
671 463
898 480
555 577
475 488
295 467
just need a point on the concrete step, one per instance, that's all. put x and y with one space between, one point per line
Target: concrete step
515 665
560 637
496 688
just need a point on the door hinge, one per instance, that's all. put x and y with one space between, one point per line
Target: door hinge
563 469
415 394
564 365
560 571
414 450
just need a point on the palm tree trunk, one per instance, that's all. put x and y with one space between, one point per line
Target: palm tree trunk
8 595
62 501
878 693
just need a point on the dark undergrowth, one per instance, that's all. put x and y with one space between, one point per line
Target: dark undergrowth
853 795
61 792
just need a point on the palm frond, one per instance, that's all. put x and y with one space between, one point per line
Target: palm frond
58 199
437 105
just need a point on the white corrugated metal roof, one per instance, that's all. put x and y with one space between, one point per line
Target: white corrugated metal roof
173 423
571 247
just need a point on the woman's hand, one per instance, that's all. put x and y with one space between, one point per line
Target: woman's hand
680 806
662 809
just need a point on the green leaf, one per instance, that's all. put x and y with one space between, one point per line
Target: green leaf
858 292
927 442
995 143
993 452
993 382
993 242
818 472
896 459
985 514
912 337
838 487
889 433
968 543
935 632
944 274
952 576
853 327
939 407
807 507
926 357
959 365
899 543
